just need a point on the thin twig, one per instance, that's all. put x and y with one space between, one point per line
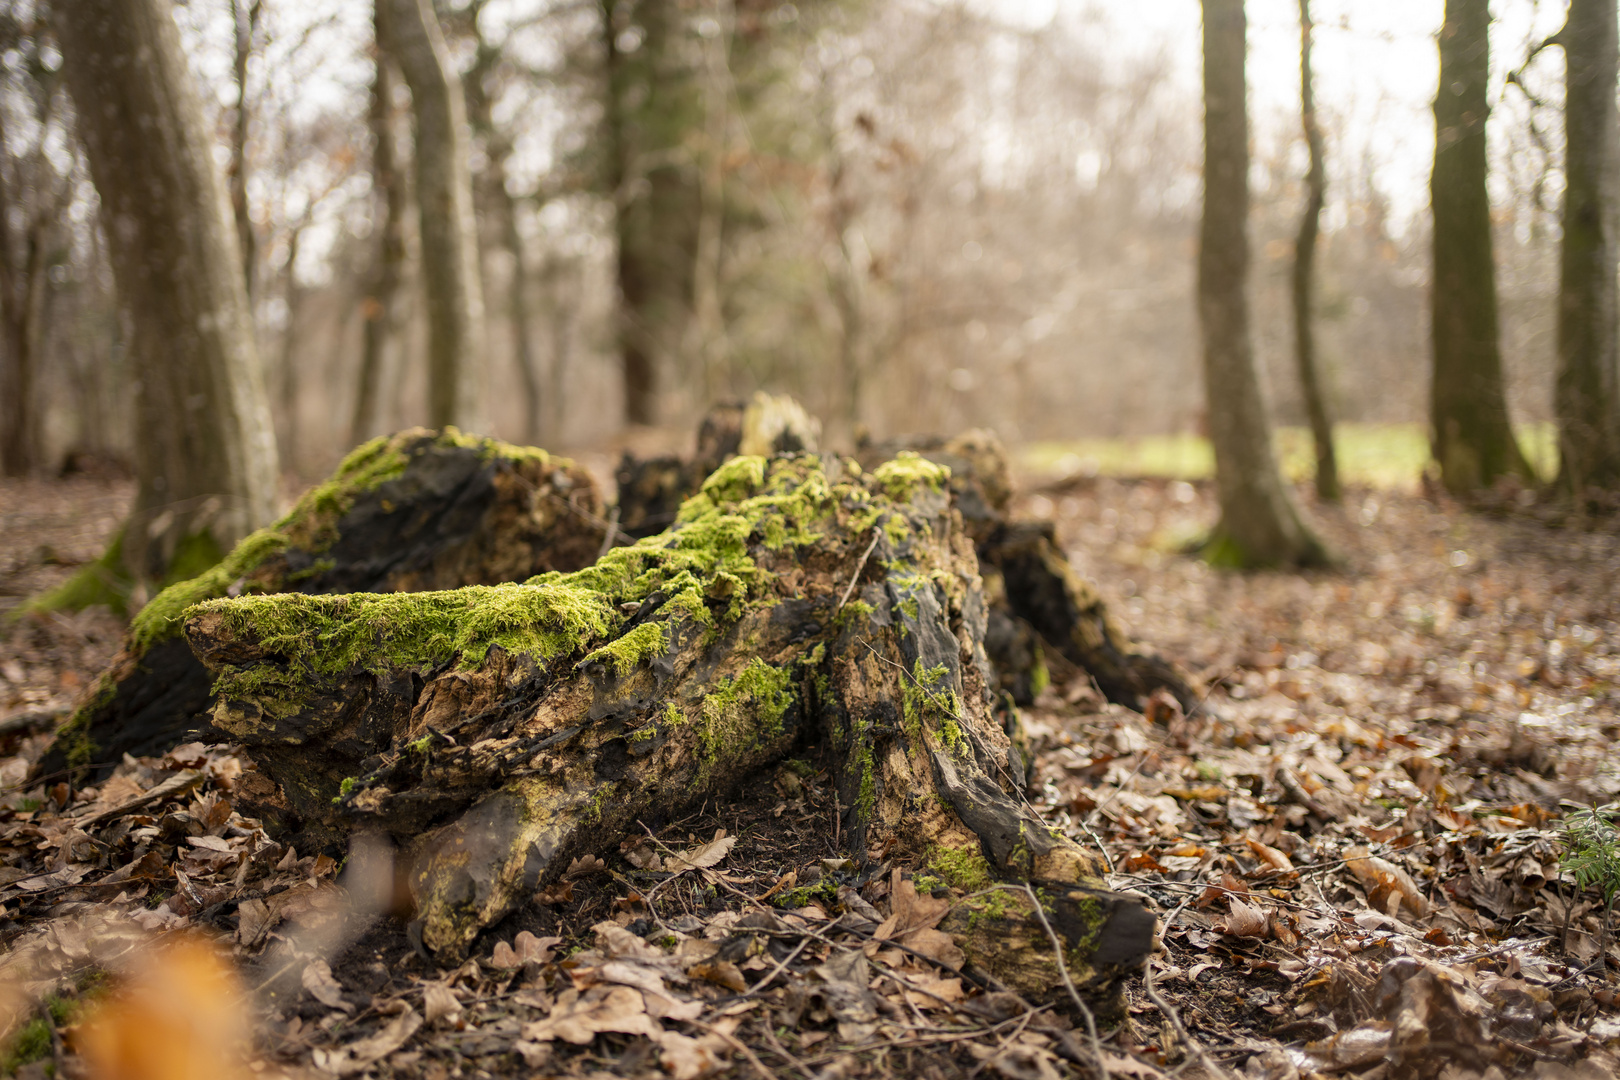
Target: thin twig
753 1059
856 576
1169 1010
609 534
1068 983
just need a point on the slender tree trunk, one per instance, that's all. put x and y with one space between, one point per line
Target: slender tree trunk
1587 397
651 105
561 278
379 309
706 330
497 147
205 451
1259 526
450 271
246 15
23 265
1327 466
640 374
287 370
1471 436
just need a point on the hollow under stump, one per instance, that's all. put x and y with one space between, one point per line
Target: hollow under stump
411 511
496 733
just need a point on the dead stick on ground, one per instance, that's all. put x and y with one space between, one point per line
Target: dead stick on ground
1068 983
609 534
1169 1010
856 576
753 1059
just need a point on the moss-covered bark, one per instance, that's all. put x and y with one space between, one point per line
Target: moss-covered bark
412 511
497 733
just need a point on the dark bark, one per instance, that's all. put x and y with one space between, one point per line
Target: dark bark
451 279
204 447
651 105
1260 525
379 309
246 15
1327 466
411 512
1587 394
1471 437
498 204
557 713
24 262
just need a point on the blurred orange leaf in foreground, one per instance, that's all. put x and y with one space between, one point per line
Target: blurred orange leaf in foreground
179 1014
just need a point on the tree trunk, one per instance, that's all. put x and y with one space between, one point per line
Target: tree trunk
382 298
287 369
1327 466
22 298
417 510
498 733
205 450
650 107
1471 436
497 148
1260 525
1587 395
450 270
245 14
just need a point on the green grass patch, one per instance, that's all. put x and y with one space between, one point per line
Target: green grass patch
1385 456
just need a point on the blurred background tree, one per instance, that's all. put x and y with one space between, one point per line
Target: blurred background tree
913 216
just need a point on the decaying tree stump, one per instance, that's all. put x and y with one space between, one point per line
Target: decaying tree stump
651 490
1035 598
498 732
412 511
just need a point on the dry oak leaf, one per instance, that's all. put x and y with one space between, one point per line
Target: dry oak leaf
702 856
358 1055
1246 920
525 949
439 1003
684 1057
1269 855
1388 886
322 987
579 1018
584 865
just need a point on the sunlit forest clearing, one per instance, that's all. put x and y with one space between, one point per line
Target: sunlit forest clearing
1370 455
698 538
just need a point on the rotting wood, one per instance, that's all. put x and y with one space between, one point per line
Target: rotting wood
1035 599
413 511
497 733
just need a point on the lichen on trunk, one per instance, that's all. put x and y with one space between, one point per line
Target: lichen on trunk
497 733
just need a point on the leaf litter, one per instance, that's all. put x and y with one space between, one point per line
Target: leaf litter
1367 846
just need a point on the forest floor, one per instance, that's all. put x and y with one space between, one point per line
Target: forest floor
1358 844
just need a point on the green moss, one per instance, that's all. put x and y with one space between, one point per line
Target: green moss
673 716
345 788
30 1044
104 581
1039 676
422 745
896 529
646 642
910 473
962 868
824 891
746 710
856 611
866 796
926 705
